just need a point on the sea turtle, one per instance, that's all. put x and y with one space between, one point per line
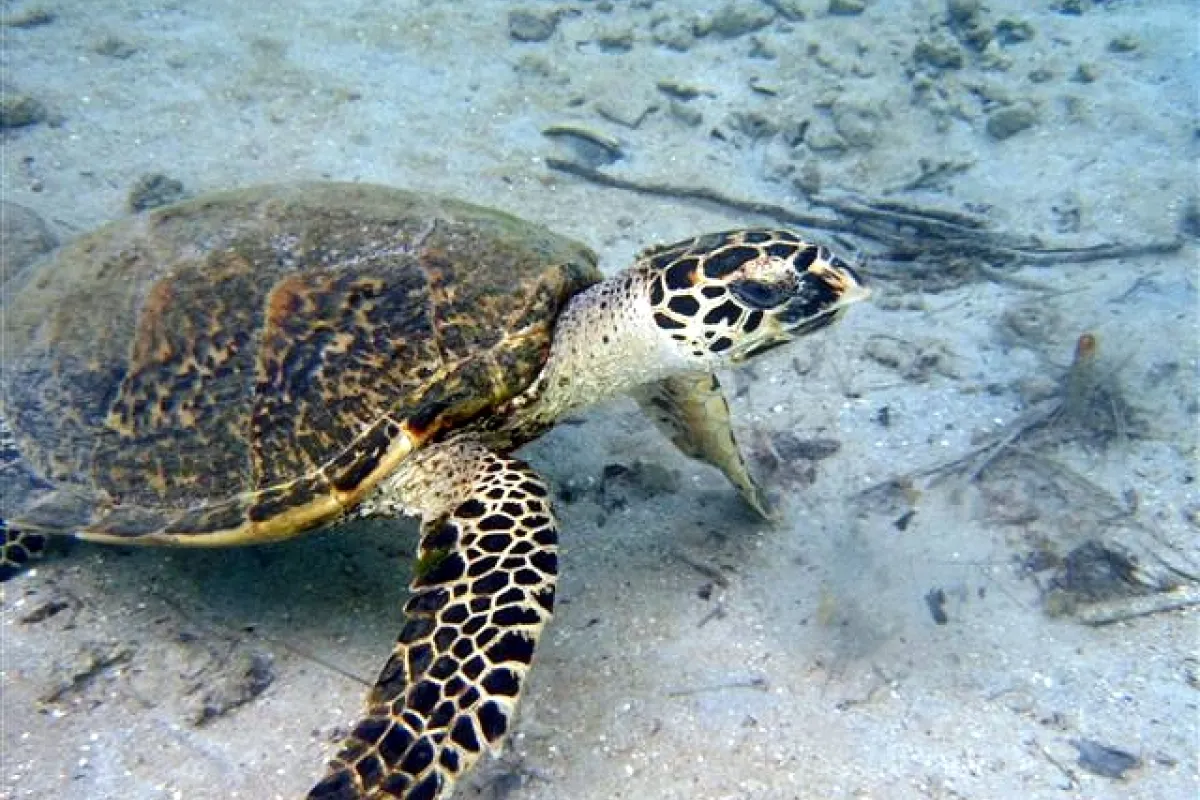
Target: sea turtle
249 365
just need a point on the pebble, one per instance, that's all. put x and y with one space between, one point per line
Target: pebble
735 19
939 50
525 25
847 8
18 110
1010 120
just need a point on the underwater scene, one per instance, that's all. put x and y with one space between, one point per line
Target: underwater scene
599 399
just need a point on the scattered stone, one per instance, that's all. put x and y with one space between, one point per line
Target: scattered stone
629 110
1041 75
114 47
616 41
1086 73
1013 31
1094 571
24 238
735 19
761 49
808 178
963 12
672 33
847 8
591 147
248 677
19 110
791 10
677 90
769 89
153 190
1010 120
525 25
1189 221
789 446
939 51
753 125
858 125
30 18
1100 759
820 136
935 601
684 113
1125 43
1072 8
45 611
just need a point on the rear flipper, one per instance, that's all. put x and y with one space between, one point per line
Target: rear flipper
483 590
17 548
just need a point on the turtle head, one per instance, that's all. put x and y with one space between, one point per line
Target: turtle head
725 297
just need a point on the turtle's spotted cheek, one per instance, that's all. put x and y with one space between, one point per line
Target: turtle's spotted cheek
729 296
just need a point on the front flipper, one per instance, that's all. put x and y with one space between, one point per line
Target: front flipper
692 411
483 589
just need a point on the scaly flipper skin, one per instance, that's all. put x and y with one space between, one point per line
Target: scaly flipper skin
483 588
692 412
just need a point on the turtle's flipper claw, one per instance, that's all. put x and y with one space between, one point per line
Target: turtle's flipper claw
483 589
17 548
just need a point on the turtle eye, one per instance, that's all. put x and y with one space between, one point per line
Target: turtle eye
757 294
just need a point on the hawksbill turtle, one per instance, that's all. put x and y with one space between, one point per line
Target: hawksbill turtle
248 365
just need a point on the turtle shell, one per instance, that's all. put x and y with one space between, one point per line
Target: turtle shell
249 364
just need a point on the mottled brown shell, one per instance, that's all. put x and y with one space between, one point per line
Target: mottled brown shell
249 364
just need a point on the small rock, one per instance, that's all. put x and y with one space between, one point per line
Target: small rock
1041 75
30 18
754 125
808 178
858 125
1086 73
616 41
939 51
590 147
1013 31
525 25
1010 120
18 110
1072 8
962 12
114 47
847 8
1100 759
154 190
684 113
791 10
735 19
629 109
791 447
677 90
1126 43
673 33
